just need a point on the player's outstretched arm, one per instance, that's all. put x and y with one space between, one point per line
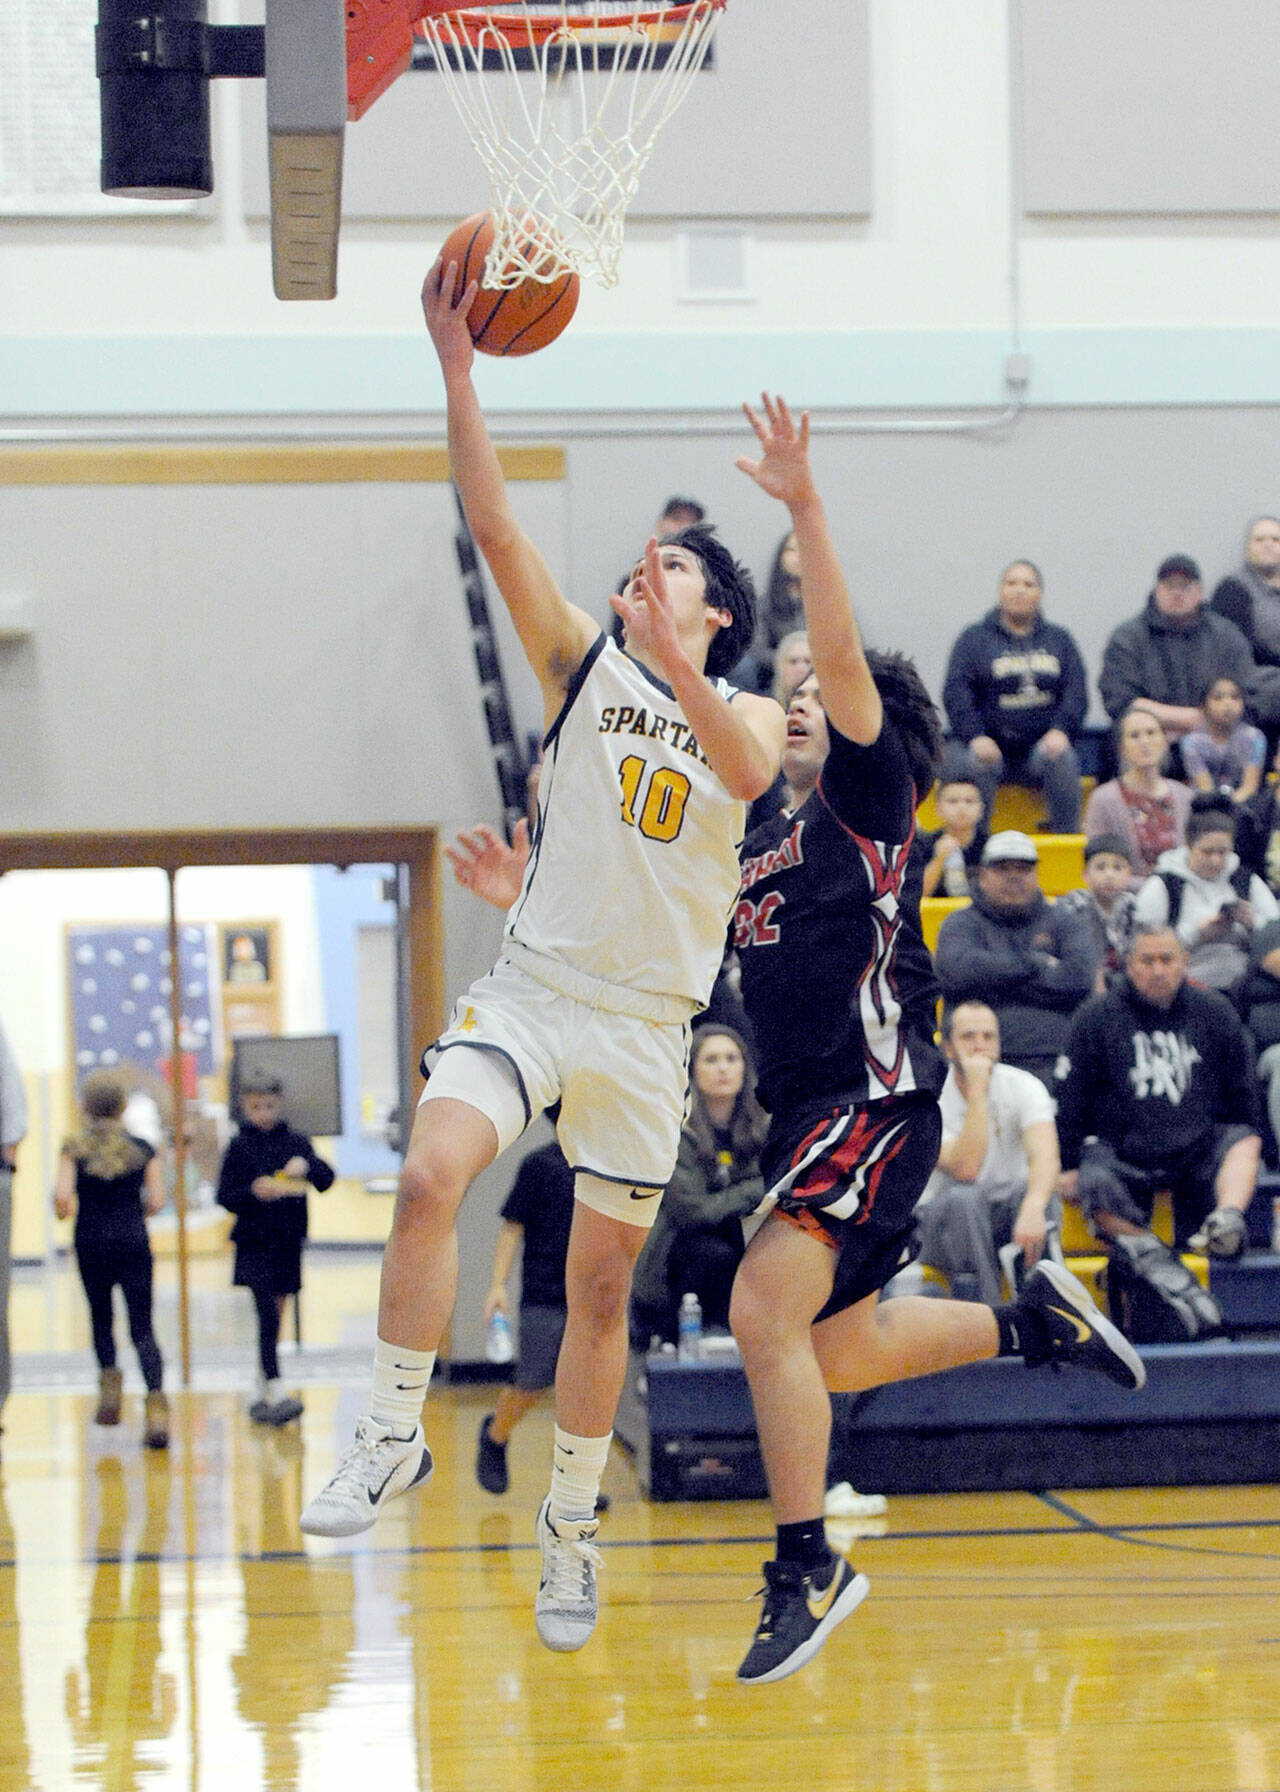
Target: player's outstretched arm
553 633
849 693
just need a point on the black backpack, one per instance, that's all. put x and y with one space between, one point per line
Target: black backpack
1153 1297
1241 879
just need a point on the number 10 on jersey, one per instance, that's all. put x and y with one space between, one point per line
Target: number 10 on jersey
661 812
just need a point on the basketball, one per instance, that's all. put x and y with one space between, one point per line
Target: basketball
513 320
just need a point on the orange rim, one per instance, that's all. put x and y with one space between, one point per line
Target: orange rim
517 28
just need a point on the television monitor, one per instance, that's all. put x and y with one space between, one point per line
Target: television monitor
307 1065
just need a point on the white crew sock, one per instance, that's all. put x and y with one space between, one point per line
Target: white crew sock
400 1379
576 1468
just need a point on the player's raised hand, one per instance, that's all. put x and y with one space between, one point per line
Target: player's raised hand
646 610
446 315
487 866
783 468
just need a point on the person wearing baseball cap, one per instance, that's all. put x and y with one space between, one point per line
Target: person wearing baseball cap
1164 659
1010 847
1032 961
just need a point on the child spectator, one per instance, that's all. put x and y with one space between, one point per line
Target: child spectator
949 853
1228 754
1106 902
264 1179
1213 903
108 1179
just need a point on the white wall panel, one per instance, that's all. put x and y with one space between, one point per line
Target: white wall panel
1150 106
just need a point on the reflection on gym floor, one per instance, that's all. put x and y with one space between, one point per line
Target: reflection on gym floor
163 1623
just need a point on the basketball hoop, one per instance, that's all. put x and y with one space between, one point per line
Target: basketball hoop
564 101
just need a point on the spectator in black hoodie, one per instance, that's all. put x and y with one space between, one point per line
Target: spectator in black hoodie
1015 697
264 1180
1156 1091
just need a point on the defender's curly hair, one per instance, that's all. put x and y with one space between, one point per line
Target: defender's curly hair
913 712
729 587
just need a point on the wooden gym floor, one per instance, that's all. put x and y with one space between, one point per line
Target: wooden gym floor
163 1623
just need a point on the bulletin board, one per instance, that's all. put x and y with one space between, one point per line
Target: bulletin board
119 980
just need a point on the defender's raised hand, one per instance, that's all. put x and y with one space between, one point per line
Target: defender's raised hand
783 468
487 866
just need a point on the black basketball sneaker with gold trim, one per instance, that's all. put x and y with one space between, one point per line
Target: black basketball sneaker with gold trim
801 1609
1074 1331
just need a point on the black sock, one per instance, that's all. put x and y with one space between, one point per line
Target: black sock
804 1545
1023 1333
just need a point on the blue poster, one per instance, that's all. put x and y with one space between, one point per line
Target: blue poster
121 995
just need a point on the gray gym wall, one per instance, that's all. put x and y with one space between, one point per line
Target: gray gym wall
225 655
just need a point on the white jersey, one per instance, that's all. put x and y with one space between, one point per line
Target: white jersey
633 869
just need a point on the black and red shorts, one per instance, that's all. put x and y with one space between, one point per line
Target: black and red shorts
850 1176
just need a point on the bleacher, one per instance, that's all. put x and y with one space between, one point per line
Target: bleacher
1209 1414
1061 855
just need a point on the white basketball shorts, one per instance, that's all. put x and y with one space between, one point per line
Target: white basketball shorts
621 1078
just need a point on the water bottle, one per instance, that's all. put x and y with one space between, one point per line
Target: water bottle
690 1329
955 875
498 1344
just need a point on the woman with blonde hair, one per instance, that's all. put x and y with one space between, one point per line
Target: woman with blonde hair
108 1179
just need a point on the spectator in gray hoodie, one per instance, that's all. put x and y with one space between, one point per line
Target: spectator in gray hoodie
1164 659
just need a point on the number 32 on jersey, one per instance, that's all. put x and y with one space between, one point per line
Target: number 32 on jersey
659 811
753 922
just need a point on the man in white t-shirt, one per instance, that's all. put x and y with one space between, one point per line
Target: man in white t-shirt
998 1165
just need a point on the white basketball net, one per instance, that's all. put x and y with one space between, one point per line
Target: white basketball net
565 116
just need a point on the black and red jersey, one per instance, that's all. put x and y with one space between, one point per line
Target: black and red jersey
836 977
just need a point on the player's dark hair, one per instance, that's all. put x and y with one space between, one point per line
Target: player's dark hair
728 587
913 713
